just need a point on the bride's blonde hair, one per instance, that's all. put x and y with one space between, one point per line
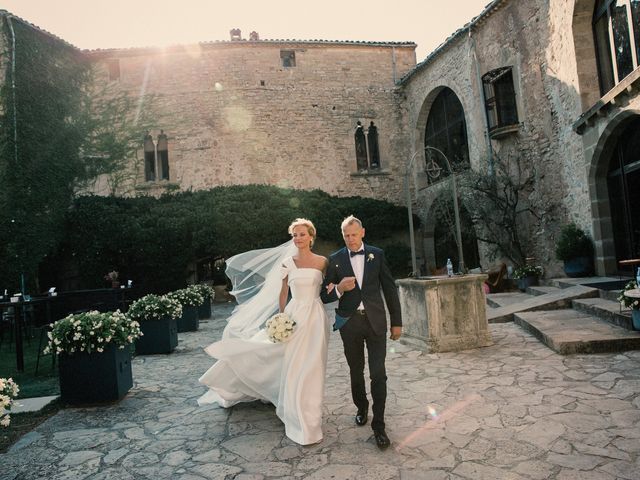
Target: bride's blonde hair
311 229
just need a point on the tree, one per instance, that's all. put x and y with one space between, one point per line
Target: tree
505 208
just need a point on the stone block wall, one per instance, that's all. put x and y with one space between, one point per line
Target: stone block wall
235 115
535 39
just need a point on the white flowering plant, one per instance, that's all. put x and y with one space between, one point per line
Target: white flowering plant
154 307
188 297
527 271
280 327
91 332
8 391
629 302
370 257
205 290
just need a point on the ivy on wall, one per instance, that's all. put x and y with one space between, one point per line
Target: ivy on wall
153 241
66 135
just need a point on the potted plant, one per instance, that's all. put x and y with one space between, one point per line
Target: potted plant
575 248
113 278
204 310
157 316
190 298
632 303
94 357
8 391
527 276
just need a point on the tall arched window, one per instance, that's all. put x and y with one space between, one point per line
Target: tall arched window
163 155
447 131
616 30
149 158
624 197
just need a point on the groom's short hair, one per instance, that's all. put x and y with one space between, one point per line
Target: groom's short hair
350 220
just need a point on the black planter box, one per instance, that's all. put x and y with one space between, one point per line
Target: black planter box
204 310
189 321
96 377
159 336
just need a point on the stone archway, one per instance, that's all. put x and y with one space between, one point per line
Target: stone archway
605 227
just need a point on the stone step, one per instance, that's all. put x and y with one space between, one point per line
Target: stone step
497 300
571 331
605 310
559 299
542 289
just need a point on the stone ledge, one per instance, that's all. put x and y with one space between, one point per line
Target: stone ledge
35 404
569 331
556 300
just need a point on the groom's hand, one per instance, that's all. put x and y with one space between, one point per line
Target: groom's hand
346 284
396 333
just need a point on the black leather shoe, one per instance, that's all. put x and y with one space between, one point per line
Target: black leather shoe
362 416
382 440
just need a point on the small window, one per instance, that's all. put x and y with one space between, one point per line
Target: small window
113 66
500 98
288 58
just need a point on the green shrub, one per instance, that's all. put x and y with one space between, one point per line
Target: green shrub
573 243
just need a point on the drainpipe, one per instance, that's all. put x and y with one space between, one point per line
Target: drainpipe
485 122
393 61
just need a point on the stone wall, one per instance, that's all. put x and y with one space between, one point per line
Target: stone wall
235 115
535 39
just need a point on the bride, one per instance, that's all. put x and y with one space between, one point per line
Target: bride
250 366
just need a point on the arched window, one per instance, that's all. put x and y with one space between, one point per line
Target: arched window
163 155
447 131
623 178
616 30
149 159
361 147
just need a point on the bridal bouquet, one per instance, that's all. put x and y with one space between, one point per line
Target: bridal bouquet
280 327
8 391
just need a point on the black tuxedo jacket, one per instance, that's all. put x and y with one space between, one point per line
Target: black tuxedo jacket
377 277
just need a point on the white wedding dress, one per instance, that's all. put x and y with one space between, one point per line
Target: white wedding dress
291 374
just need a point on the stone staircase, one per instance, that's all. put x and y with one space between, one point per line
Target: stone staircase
570 315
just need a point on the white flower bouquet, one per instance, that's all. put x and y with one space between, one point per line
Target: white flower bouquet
280 327
8 391
154 307
91 332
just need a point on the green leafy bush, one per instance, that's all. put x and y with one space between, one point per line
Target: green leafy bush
187 297
573 243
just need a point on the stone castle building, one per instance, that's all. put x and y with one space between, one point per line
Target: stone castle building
278 112
549 86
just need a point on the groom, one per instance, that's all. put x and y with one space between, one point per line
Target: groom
359 272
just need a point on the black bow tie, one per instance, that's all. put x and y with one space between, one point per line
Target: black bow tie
359 252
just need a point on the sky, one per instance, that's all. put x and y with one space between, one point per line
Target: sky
92 24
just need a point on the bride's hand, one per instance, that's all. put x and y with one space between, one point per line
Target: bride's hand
330 287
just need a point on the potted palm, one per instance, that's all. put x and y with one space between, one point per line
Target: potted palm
204 310
190 298
94 358
157 316
575 248
527 276
631 302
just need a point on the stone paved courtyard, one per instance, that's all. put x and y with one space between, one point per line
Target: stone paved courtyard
515 410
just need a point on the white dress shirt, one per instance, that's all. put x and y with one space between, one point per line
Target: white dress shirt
357 264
